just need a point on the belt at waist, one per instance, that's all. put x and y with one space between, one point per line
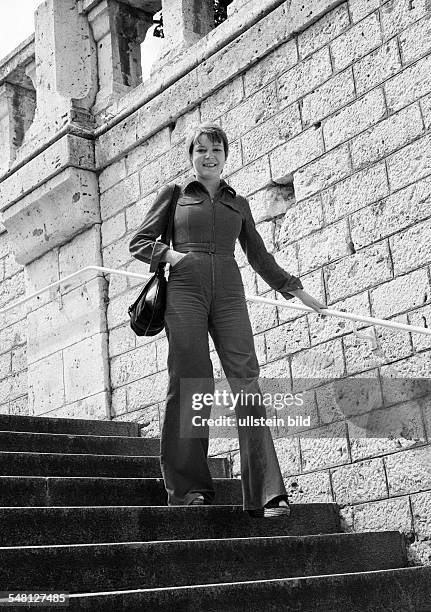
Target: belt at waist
203 247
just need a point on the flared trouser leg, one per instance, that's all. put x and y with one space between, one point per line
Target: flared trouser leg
231 331
183 456
205 297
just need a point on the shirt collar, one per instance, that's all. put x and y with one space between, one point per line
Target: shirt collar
192 180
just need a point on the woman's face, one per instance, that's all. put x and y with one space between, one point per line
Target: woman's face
208 158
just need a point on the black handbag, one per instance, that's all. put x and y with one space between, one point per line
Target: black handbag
147 313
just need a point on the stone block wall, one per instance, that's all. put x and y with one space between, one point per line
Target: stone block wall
327 107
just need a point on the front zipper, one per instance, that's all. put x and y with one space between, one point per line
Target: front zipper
213 244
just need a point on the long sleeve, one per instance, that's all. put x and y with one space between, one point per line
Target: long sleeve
263 262
144 244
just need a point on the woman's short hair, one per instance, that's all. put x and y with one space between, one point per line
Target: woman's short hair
214 132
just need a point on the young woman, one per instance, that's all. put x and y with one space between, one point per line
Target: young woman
206 295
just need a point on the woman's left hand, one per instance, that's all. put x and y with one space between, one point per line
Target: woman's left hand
309 300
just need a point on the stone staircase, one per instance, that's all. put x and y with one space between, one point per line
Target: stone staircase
83 509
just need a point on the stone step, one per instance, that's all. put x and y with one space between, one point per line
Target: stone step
19 491
89 525
118 466
79 567
95 427
12 441
392 590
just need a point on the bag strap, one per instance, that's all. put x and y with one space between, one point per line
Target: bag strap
167 234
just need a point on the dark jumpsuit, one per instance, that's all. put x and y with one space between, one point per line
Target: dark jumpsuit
206 294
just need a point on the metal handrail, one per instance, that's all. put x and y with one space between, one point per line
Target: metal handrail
251 298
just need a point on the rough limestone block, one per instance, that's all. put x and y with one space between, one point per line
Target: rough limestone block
118 402
402 381
301 220
121 195
397 15
385 515
356 42
323 31
152 147
18 406
391 215
315 363
412 248
121 339
421 503
255 109
117 253
393 345
355 192
310 488
385 431
416 40
11 267
5 365
359 482
46 384
67 151
252 177
272 133
11 288
287 450
328 328
261 315
13 335
376 67
323 246
368 267
295 153
18 385
83 250
86 367
146 391
113 229
269 67
271 202
354 118
136 212
116 313
421 318
245 49
276 369
287 339
401 294
361 8
323 172
349 397
409 471
113 174
387 136
304 77
93 407
63 322
324 447
53 213
329 97
409 85
164 169
133 365
221 101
